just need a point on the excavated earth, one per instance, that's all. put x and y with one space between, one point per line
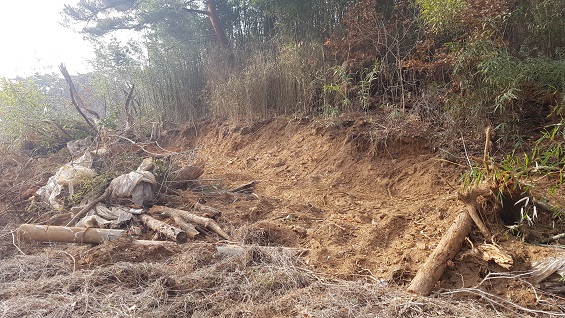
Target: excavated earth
363 199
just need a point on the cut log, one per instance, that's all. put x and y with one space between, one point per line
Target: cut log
432 269
188 228
47 233
169 231
192 218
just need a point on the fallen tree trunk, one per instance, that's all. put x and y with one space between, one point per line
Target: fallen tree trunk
169 231
432 269
47 233
193 218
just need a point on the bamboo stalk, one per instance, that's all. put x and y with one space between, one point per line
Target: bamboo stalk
64 234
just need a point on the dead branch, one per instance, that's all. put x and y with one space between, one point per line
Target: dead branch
501 302
432 269
127 109
59 128
488 147
553 238
88 207
149 243
154 154
48 233
169 231
246 188
547 207
76 100
193 218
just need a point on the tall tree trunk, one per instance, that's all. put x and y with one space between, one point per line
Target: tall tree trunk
216 24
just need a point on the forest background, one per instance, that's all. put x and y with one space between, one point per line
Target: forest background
460 64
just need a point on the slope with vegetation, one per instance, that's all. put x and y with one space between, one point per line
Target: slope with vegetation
362 120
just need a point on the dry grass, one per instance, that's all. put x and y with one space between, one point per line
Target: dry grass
197 282
264 84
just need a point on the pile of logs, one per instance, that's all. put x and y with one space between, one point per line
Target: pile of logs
185 226
119 207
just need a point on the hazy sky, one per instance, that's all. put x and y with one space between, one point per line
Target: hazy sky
33 39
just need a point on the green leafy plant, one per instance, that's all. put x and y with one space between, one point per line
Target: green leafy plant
442 15
369 76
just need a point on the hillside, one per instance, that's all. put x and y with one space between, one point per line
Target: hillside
344 212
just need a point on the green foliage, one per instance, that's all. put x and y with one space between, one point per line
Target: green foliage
369 76
506 76
304 19
336 92
546 160
90 188
442 15
538 29
21 104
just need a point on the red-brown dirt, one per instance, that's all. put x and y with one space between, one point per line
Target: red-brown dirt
367 199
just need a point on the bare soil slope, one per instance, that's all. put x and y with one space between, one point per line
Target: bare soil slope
367 201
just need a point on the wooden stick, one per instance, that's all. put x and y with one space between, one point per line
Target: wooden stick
432 269
47 233
246 188
88 207
553 238
193 218
488 146
152 243
169 231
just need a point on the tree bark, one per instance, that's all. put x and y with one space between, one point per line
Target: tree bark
216 24
207 211
169 231
432 269
188 228
50 233
470 200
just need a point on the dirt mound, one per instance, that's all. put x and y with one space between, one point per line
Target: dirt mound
365 198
